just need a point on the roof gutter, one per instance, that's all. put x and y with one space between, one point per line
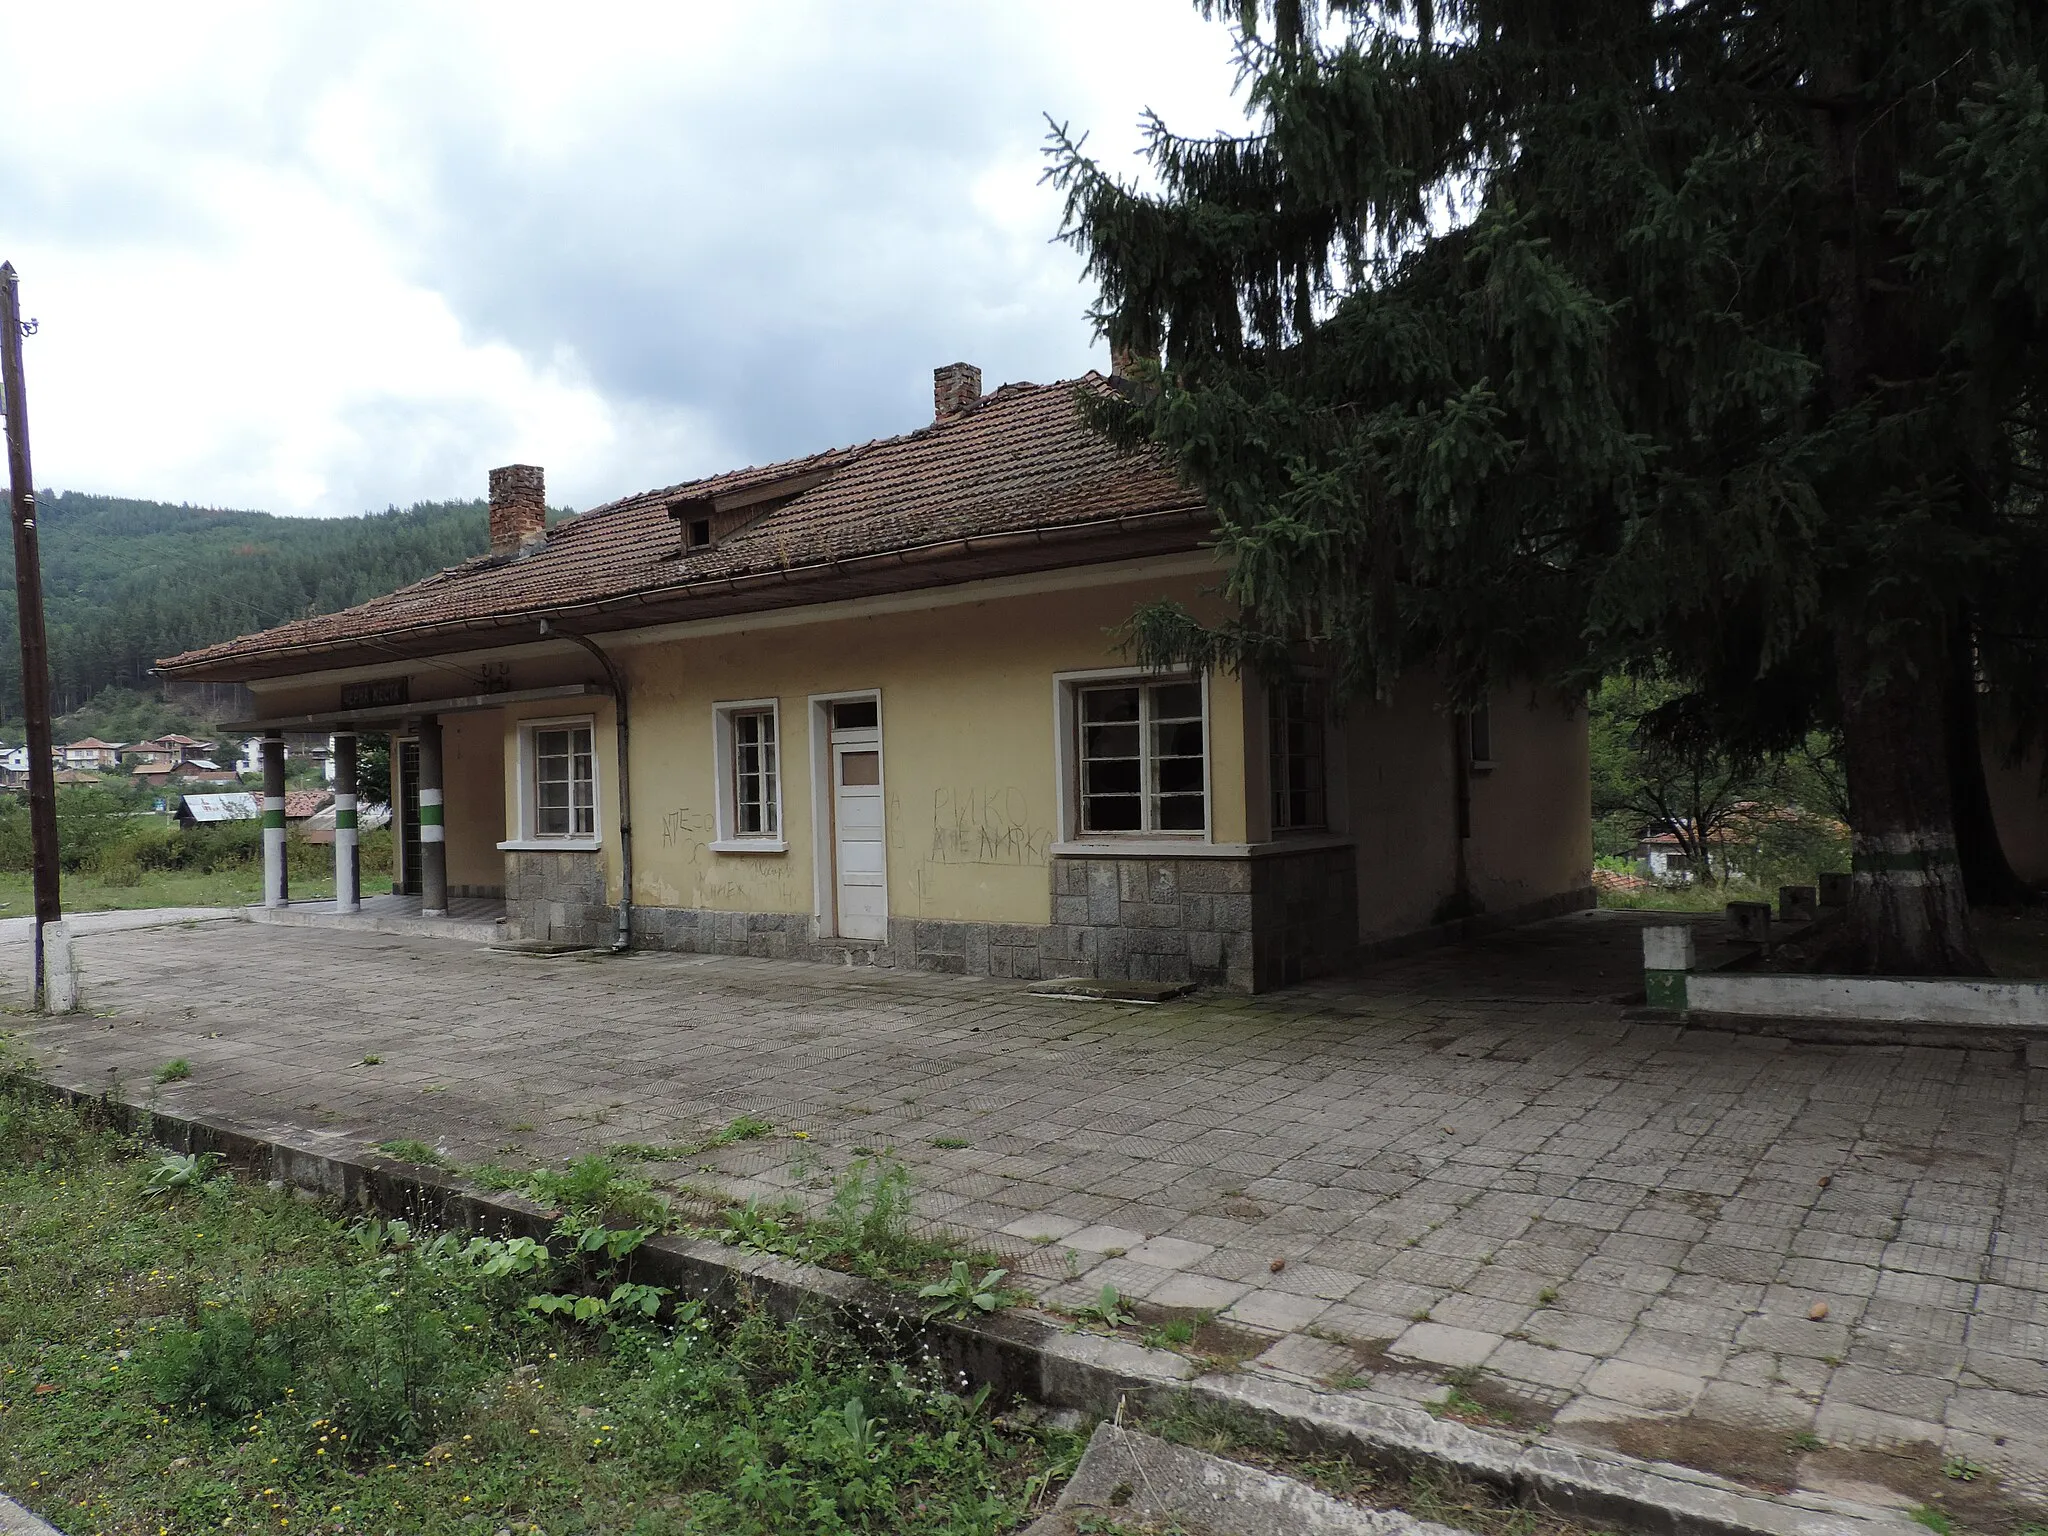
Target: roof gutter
622 927
916 554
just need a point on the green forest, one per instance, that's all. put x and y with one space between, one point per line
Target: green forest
128 581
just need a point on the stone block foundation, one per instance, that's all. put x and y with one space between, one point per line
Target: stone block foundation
1252 923
556 897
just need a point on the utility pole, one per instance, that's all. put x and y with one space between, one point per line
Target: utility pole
35 651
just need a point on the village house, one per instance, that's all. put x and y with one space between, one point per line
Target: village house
90 753
872 705
160 754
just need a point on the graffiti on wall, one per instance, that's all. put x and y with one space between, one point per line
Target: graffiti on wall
986 826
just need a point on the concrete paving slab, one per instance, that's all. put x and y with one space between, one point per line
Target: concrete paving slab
1625 1181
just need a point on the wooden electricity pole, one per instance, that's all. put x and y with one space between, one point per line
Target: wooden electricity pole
35 651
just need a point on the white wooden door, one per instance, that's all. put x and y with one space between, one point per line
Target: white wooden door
858 833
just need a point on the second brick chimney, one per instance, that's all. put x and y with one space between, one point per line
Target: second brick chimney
955 388
519 507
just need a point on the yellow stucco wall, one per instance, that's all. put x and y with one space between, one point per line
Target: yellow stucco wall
1532 813
968 758
1396 772
969 761
473 774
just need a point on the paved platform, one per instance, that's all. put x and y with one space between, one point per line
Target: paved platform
468 920
1469 1169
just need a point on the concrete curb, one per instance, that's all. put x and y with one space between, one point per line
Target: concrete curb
1027 1354
362 922
16 1521
1129 1475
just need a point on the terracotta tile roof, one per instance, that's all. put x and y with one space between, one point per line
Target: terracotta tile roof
301 803
1021 462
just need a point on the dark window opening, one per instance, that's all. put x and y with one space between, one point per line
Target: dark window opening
1294 717
698 532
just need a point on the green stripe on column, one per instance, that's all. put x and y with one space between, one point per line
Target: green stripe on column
273 819
344 821
430 815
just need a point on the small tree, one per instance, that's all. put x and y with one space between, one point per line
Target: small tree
1653 763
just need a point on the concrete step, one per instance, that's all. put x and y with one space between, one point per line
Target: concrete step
1142 1483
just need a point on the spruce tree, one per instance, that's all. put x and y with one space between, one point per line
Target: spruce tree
1540 338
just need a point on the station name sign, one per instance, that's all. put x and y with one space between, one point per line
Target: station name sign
377 693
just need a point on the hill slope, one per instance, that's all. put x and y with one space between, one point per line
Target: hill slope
128 581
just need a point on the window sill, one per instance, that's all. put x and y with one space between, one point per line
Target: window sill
551 845
748 845
1170 848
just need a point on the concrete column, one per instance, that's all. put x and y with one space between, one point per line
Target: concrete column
276 880
348 882
1668 958
433 844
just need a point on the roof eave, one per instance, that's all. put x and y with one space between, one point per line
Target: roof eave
1171 529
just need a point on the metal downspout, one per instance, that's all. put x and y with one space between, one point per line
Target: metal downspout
622 928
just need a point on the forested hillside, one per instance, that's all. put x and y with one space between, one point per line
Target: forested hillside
128 581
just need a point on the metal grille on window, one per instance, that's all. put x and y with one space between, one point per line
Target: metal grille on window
1142 764
754 770
564 784
1295 723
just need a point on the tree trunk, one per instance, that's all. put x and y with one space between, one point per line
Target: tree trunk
1988 877
1908 915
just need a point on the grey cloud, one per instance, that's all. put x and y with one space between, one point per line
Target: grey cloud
790 256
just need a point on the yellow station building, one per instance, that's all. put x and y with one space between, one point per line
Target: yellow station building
874 705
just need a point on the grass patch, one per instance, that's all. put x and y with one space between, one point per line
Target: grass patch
865 1229
86 891
407 1150
175 1071
742 1128
226 1358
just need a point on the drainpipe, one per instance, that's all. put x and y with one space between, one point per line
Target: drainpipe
622 929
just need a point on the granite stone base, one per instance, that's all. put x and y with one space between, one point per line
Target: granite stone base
1248 923
556 898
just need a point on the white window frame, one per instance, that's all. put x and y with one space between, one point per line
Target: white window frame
528 840
1067 688
729 838
1478 735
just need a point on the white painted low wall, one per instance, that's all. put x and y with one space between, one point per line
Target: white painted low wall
2005 1004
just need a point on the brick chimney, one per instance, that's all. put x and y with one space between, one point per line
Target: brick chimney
519 507
955 388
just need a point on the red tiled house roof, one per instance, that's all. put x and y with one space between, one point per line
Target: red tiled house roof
301 803
1017 482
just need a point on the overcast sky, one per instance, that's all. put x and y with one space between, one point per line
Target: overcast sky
322 258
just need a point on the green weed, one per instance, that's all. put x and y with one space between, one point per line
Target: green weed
175 1071
249 1362
594 1185
1109 1309
961 1295
407 1150
1935 1520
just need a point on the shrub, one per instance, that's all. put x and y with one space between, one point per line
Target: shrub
118 869
227 1367
593 1186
